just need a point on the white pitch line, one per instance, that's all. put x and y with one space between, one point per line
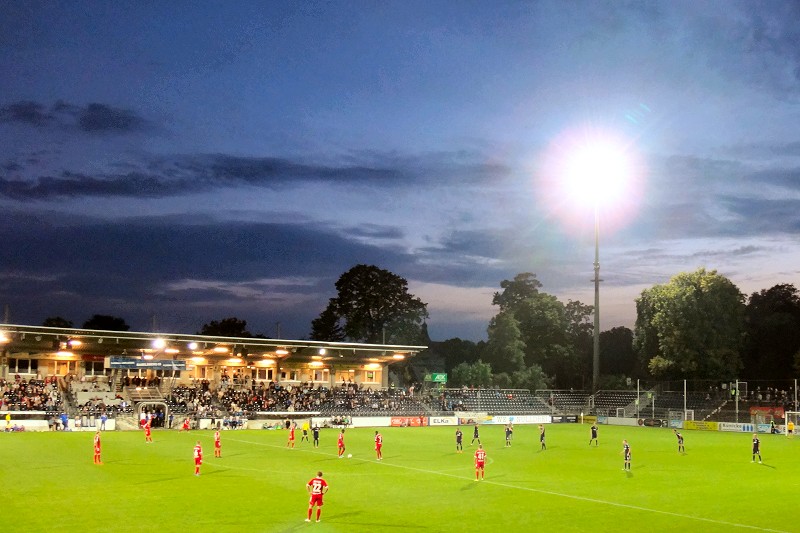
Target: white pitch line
541 491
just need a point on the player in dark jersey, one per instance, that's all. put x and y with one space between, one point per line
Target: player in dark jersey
475 436
459 441
756 448
626 453
594 436
541 436
509 432
681 448
315 433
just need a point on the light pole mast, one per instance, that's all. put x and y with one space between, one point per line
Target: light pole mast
596 351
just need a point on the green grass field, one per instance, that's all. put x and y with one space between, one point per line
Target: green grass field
50 484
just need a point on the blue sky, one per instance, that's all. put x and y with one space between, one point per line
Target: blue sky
195 161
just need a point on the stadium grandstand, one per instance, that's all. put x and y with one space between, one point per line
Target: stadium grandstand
51 374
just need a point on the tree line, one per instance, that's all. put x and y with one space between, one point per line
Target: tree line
699 325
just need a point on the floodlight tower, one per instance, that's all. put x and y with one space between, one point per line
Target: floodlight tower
597 172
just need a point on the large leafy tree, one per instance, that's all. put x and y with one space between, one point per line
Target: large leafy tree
455 351
516 291
772 323
477 374
227 327
505 350
57 322
547 331
106 323
327 326
374 306
580 328
617 355
691 327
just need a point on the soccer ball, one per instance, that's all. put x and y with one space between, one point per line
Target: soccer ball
349 455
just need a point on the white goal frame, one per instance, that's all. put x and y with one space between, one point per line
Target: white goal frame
794 417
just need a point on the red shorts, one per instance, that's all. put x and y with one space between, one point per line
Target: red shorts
198 462
316 499
479 464
97 449
217 444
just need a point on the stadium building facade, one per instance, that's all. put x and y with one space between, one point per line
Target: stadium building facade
109 357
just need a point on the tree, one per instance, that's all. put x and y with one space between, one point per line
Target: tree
523 286
326 327
532 378
227 327
375 307
772 322
456 351
106 323
548 329
616 348
478 374
505 350
691 327
580 330
57 322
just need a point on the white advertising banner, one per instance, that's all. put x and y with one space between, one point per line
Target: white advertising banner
732 426
443 421
620 421
519 419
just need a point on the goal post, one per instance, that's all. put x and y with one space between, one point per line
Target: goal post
792 418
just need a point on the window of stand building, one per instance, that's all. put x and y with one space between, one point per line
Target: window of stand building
22 366
202 372
371 376
168 374
289 375
94 368
265 374
322 374
62 368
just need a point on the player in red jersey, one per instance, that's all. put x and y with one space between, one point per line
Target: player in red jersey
480 462
97 460
290 442
198 458
378 445
340 444
316 488
217 445
148 432
185 426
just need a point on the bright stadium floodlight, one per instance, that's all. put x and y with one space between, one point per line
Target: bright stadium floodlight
586 168
596 173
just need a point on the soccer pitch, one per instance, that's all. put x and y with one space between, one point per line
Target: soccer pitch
50 484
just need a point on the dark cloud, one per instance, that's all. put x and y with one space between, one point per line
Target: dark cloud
164 177
763 150
99 118
26 112
88 266
93 118
762 216
375 231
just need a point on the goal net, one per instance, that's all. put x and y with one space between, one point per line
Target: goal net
792 418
